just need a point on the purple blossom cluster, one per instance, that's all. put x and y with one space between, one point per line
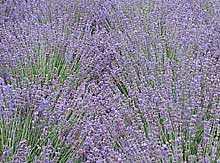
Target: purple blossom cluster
107 81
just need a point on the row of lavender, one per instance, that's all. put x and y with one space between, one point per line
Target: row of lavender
110 81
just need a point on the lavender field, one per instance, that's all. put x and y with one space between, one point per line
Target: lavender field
109 81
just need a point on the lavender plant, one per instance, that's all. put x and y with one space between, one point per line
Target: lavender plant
109 81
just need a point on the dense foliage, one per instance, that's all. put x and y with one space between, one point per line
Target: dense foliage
109 81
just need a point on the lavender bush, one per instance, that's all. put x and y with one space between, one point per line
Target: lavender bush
110 81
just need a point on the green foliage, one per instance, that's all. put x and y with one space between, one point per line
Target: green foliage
145 124
46 66
22 127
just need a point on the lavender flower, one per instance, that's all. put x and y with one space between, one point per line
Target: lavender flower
109 81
